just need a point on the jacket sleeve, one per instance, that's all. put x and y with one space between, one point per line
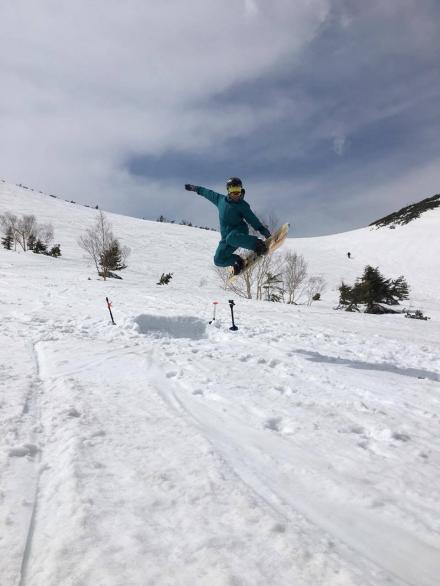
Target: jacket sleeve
252 219
212 196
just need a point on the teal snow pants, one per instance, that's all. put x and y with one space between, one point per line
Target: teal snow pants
224 255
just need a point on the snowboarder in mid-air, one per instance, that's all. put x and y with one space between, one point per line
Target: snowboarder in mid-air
234 212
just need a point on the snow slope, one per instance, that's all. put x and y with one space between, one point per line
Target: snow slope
412 250
302 449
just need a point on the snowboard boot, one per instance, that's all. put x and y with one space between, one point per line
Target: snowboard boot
238 266
260 247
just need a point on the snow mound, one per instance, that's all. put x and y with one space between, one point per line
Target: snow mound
180 326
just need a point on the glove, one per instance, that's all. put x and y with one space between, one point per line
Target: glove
190 187
265 232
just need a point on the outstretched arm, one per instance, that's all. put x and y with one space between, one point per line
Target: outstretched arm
212 196
252 219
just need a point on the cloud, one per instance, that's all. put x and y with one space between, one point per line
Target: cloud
340 144
251 7
89 83
113 103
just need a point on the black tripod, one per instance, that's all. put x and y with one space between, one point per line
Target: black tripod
231 305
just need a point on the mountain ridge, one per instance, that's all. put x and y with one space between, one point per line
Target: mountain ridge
408 213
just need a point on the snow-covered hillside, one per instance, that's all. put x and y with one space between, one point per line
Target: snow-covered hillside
412 250
302 449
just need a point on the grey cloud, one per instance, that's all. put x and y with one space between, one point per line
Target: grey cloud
306 98
107 78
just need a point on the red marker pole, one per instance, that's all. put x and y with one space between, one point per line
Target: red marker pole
215 303
109 305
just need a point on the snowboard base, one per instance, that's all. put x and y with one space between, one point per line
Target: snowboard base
273 242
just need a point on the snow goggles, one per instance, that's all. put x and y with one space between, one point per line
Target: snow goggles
234 189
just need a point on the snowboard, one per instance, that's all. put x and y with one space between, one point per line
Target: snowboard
273 242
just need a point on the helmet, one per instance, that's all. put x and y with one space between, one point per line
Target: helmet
234 185
233 182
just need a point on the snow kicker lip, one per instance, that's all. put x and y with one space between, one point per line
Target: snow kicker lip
179 326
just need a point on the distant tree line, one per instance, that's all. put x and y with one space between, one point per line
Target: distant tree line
183 223
52 195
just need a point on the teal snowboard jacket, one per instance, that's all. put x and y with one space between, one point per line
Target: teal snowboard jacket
233 215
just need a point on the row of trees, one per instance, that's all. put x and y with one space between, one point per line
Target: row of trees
98 241
165 220
278 278
28 234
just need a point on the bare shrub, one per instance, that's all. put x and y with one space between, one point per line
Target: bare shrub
251 283
44 233
101 245
241 286
275 278
25 228
125 253
272 222
294 273
314 286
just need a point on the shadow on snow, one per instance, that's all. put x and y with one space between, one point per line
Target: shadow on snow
357 364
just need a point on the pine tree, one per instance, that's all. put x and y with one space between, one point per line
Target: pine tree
399 289
98 241
165 279
8 239
112 257
31 241
274 288
345 294
39 247
372 289
55 251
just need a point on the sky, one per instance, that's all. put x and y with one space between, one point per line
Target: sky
327 109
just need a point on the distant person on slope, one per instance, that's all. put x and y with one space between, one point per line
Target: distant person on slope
234 212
